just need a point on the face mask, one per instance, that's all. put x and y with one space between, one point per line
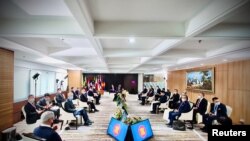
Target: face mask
183 99
47 99
31 100
217 103
199 97
70 97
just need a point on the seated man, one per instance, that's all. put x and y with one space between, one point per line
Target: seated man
44 130
163 99
92 93
183 108
59 97
174 99
70 107
200 106
84 98
32 113
219 111
145 90
45 104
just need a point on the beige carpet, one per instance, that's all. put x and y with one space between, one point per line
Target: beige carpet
97 131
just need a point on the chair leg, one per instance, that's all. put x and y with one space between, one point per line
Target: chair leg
62 124
76 123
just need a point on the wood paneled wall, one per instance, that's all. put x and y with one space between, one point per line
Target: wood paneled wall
6 88
74 78
232 86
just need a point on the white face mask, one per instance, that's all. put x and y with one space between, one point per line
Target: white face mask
47 99
183 99
31 100
217 103
199 97
70 97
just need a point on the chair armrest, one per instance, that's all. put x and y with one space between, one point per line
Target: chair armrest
32 136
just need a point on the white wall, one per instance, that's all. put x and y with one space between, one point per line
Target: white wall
140 82
46 83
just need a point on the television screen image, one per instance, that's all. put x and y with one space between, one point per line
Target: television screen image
117 129
142 131
202 80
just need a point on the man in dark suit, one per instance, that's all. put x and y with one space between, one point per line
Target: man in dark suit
46 104
200 106
174 99
75 95
70 108
219 111
60 97
32 113
145 90
163 99
84 98
183 108
44 130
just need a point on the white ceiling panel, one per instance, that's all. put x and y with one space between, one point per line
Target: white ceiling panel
145 10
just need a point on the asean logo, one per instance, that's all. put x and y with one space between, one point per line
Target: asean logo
142 131
117 129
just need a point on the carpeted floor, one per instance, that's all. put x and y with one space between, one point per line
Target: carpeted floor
97 131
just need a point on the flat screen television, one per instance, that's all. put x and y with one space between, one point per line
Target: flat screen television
117 129
142 131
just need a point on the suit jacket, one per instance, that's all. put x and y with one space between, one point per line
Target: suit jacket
41 103
175 98
75 95
59 98
69 106
91 93
31 114
211 108
158 91
184 107
145 91
163 98
47 133
221 110
83 98
201 105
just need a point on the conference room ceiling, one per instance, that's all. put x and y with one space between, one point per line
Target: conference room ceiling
126 36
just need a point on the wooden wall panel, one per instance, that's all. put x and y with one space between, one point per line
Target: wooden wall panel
6 88
74 78
231 86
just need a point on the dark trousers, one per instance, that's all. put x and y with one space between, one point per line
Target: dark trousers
172 116
143 100
92 105
208 119
139 96
155 106
83 113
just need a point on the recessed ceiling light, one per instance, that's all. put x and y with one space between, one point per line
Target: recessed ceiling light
131 40
225 60
202 64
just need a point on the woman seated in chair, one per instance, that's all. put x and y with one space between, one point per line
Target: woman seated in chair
183 108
